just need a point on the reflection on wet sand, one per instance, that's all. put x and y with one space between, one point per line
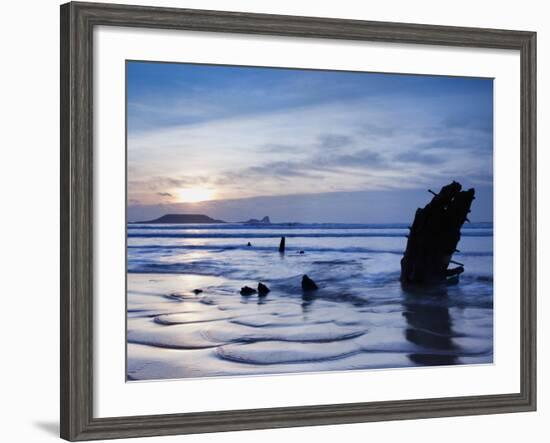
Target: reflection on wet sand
429 326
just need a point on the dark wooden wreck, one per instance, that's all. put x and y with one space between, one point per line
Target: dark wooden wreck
434 236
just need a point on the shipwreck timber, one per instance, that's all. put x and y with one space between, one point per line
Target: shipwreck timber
434 236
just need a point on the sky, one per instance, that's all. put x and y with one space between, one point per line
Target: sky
299 145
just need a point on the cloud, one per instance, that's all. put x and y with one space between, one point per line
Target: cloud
378 130
280 169
311 170
351 144
334 141
256 177
469 121
277 148
419 157
362 158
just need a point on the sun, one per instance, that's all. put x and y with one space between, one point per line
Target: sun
194 195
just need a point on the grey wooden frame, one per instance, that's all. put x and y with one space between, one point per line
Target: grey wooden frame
77 24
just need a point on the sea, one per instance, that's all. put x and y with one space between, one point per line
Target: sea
186 317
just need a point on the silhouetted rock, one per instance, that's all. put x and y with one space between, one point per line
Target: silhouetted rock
249 244
434 236
301 252
282 245
197 291
246 290
255 221
308 284
263 289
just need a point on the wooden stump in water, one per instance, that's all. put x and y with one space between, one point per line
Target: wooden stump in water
434 236
282 245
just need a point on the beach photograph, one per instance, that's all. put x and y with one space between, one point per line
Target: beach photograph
284 220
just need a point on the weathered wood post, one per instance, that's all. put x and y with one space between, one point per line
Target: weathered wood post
282 245
434 235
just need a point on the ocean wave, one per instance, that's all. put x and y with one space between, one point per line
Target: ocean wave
278 234
196 268
221 248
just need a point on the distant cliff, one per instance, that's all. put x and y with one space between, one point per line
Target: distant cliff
182 218
254 221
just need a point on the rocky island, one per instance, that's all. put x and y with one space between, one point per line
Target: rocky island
255 221
182 219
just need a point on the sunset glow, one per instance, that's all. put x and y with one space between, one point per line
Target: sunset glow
193 195
237 143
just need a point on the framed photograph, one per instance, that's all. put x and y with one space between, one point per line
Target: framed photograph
272 221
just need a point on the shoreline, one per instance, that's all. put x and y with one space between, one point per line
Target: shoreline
220 333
